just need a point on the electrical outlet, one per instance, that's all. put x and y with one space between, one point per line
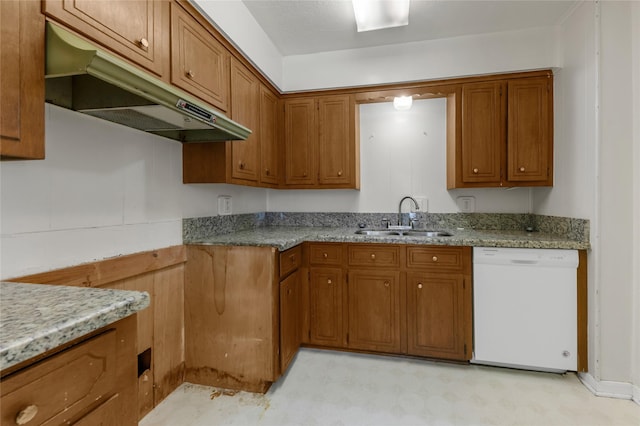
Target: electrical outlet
224 205
466 204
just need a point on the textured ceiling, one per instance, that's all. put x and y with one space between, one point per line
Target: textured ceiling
312 26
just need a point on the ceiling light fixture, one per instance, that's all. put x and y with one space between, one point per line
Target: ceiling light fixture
402 102
379 14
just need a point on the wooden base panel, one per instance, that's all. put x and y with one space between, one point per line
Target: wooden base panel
211 377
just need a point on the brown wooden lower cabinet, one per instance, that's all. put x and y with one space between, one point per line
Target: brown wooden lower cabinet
92 382
325 307
436 316
374 310
399 299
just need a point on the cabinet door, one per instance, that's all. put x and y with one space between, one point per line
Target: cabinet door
289 319
245 97
300 141
435 315
374 310
336 140
325 306
132 29
482 133
199 63
530 149
269 137
21 80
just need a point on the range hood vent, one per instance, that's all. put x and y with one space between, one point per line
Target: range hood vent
81 77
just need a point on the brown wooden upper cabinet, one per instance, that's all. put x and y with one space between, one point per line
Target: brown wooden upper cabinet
199 63
507 134
21 80
321 147
136 30
245 109
252 162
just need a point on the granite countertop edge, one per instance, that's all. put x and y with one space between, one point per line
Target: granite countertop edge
85 310
284 238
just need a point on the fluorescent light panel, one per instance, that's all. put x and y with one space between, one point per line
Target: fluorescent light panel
379 14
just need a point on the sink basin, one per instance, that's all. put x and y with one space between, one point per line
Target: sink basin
428 233
403 233
377 232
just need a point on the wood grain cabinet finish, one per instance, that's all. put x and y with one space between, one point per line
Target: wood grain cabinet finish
300 139
321 147
530 131
199 63
482 132
253 162
439 313
290 289
21 80
399 299
232 317
506 134
270 138
289 319
325 307
92 382
245 109
134 29
374 310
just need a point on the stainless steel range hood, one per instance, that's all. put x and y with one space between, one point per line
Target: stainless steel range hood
81 77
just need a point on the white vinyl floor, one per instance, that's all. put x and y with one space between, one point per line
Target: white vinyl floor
336 388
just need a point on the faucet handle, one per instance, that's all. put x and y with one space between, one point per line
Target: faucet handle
385 222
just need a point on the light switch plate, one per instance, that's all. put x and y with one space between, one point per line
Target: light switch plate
224 205
466 204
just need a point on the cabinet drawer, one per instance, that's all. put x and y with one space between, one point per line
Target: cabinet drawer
437 258
63 386
325 254
374 255
290 260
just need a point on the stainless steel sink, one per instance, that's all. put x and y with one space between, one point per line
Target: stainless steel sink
403 233
428 233
377 232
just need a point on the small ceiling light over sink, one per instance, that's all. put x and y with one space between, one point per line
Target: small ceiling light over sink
402 102
379 14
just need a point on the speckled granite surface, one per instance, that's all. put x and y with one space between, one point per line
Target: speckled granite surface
35 318
285 237
285 230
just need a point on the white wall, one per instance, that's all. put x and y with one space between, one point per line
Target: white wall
401 153
103 190
595 173
635 360
458 56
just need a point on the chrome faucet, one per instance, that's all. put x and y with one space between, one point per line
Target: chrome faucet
415 204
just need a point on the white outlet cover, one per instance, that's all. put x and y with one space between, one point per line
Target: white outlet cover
466 204
224 205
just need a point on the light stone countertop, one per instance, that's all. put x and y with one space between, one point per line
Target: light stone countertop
285 237
35 318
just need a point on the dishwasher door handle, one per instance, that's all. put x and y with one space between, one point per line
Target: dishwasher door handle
524 262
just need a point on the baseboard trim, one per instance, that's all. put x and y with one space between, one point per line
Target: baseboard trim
610 389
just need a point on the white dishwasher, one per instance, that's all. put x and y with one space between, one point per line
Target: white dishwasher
525 308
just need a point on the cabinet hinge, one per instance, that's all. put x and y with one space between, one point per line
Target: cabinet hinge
465 349
500 90
347 338
464 283
308 275
548 171
309 334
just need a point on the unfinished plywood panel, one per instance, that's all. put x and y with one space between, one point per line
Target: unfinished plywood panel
231 323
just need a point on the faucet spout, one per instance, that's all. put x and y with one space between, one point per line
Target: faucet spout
415 204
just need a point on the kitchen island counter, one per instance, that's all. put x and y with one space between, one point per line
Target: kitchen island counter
36 318
285 237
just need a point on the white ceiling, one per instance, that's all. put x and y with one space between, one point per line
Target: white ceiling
311 26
